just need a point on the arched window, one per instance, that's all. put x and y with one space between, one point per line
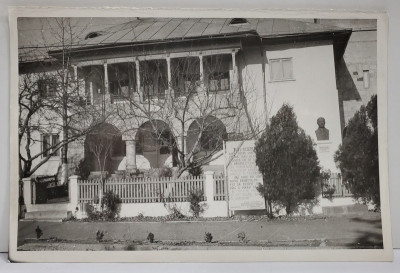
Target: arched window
209 133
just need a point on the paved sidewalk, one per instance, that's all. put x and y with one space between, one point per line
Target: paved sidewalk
365 229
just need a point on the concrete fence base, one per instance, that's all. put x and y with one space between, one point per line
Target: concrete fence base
212 207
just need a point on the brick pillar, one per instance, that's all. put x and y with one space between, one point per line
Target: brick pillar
209 186
28 198
73 191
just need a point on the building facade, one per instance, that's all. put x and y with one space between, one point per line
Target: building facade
173 87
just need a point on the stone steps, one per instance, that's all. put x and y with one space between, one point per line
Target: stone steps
50 215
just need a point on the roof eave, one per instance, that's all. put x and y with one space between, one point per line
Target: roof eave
339 38
55 53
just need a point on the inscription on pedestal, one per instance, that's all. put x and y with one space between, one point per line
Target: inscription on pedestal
243 176
323 148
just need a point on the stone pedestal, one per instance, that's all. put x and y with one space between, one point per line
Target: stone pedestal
326 152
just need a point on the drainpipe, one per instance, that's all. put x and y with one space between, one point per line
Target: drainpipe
264 62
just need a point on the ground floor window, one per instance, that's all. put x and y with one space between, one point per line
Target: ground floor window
50 141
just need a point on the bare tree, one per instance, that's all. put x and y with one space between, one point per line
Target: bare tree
51 102
101 146
193 103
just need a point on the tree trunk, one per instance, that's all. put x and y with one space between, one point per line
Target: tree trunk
268 207
64 153
271 214
288 209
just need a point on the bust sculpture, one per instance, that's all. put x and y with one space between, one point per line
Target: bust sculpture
322 133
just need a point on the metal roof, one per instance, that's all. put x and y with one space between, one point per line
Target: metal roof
147 30
155 29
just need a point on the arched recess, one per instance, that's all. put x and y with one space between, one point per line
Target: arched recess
205 136
104 148
156 142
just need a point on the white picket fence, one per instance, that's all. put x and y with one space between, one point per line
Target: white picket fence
220 189
150 190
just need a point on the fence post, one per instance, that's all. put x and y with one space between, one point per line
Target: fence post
28 198
209 185
73 191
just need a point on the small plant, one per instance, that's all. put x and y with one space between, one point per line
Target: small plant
39 232
329 191
140 216
92 213
242 237
208 237
99 235
110 203
150 237
174 212
195 197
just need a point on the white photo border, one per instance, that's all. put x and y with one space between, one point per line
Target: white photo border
385 254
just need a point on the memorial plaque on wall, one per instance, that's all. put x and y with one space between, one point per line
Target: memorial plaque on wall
243 176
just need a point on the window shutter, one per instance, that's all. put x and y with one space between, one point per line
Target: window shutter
276 70
287 69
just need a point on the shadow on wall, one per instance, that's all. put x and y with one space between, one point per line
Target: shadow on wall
347 90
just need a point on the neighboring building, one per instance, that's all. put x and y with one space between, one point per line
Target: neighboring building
266 61
357 73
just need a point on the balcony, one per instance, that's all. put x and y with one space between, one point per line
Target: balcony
149 78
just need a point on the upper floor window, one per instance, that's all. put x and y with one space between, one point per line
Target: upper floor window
49 141
185 75
281 69
91 84
122 79
216 72
154 78
47 88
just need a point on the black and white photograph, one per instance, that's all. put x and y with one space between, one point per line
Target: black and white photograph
184 134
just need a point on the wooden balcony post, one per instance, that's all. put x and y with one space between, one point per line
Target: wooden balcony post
234 80
106 90
169 92
137 65
201 73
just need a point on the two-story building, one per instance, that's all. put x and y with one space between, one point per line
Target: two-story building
143 70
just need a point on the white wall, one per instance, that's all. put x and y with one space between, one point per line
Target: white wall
312 92
212 209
